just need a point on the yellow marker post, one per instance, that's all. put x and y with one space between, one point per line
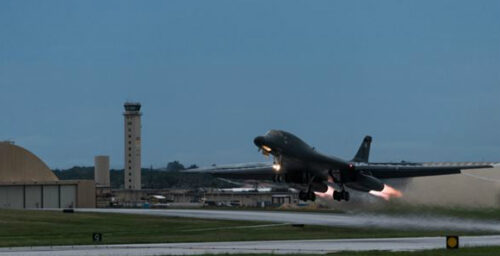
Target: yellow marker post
452 242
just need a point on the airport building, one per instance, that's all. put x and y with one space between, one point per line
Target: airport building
163 198
132 148
101 171
27 182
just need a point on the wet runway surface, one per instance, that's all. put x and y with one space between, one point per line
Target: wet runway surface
277 247
324 219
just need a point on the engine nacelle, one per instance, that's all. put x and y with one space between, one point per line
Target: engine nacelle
365 183
319 187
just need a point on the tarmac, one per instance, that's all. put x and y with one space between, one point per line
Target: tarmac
275 247
422 222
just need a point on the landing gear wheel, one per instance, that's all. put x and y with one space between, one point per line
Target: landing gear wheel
336 196
303 196
341 195
306 196
311 196
346 195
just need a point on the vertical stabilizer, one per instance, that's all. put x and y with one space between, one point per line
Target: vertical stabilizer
363 151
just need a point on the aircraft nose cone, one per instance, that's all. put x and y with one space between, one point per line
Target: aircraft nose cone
259 141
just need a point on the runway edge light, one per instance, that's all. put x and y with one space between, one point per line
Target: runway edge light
452 242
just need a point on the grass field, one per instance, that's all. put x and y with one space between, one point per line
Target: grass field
31 228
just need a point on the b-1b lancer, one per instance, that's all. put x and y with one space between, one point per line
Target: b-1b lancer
301 166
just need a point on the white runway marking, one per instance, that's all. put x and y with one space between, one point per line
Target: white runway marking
276 247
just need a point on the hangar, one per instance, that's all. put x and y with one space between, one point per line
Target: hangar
27 182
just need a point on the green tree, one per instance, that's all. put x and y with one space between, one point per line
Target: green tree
175 166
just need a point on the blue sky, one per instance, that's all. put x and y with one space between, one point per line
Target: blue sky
421 77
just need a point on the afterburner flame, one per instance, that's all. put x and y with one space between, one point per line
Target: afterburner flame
387 193
326 195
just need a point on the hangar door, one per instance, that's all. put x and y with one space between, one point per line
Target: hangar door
68 196
38 196
59 196
33 196
50 196
11 196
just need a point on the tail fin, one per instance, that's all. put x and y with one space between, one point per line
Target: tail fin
363 151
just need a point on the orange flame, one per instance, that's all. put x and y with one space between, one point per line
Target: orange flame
326 195
387 193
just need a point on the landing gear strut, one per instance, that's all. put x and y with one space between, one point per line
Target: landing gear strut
341 195
305 196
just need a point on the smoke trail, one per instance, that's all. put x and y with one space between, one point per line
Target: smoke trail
481 177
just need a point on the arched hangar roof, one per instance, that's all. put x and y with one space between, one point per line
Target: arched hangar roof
19 165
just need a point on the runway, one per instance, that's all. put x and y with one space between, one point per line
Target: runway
281 247
325 219
276 247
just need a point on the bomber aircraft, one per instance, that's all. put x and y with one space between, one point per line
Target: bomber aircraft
301 166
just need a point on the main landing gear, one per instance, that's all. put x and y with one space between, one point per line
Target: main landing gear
341 195
305 196
337 195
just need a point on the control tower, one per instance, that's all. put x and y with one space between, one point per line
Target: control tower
132 166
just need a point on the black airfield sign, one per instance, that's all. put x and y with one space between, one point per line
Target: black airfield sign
97 237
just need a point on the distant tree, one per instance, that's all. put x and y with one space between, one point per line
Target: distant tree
175 166
76 173
151 178
193 166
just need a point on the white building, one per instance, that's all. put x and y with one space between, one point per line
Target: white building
101 171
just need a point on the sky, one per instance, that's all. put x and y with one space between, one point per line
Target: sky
421 77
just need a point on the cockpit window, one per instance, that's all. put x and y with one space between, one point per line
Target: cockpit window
273 133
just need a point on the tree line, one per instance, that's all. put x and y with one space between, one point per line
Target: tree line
170 177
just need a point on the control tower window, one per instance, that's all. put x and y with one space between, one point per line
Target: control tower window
132 107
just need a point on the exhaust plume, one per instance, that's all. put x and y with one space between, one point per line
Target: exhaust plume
387 193
326 195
